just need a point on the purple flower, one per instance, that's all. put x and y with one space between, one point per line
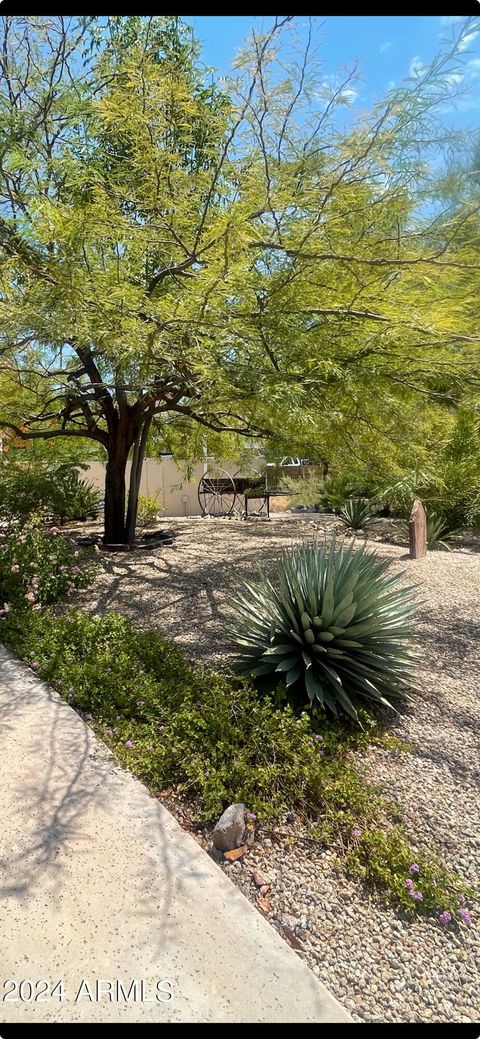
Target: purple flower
251 815
409 883
417 895
415 868
445 917
461 900
465 915
34 665
318 737
356 832
110 731
139 702
128 743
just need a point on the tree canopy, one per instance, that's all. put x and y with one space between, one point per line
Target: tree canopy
232 259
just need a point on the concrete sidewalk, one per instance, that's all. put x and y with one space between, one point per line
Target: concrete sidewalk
98 883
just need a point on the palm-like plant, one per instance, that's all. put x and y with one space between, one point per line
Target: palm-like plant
336 629
357 513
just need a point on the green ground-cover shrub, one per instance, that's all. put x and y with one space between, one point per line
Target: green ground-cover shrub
38 566
210 737
54 489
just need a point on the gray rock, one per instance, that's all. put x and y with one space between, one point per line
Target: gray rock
229 833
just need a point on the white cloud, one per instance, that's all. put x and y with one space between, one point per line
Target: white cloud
454 78
451 19
416 67
348 94
385 46
468 40
474 64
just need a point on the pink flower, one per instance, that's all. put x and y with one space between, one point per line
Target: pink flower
34 665
128 743
415 868
30 596
15 568
445 917
465 915
356 833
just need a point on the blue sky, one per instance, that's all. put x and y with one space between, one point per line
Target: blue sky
387 48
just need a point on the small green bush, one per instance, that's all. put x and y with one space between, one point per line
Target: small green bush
305 491
54 490
38 566
148 509
336 628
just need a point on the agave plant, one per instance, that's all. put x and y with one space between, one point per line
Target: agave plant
336 629
357 513
438 531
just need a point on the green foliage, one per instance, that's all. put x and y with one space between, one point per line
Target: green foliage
148 509
357 513
38 567
307 490
336 629
54 489
382 858
175 724
352 484
439 531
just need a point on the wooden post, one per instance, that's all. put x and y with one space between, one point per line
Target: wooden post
417 531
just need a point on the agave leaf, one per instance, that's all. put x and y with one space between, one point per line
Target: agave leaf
313 686
293 674
287 663
305 620
344 618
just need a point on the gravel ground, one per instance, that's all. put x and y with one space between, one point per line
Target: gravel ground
382 967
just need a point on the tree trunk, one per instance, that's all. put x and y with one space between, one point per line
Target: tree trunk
135 477
115 530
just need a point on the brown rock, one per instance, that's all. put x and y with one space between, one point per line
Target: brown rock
264 888
236 853
257 878
264 905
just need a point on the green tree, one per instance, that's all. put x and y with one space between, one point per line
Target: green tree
237 262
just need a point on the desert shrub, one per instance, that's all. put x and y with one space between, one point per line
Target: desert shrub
148 509
357 513
338 488
54 490
336 628
37 566
305 491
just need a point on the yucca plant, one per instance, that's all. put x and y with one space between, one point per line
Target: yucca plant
357 513
336 628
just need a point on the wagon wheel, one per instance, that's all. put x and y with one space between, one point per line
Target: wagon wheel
261 504
216 493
